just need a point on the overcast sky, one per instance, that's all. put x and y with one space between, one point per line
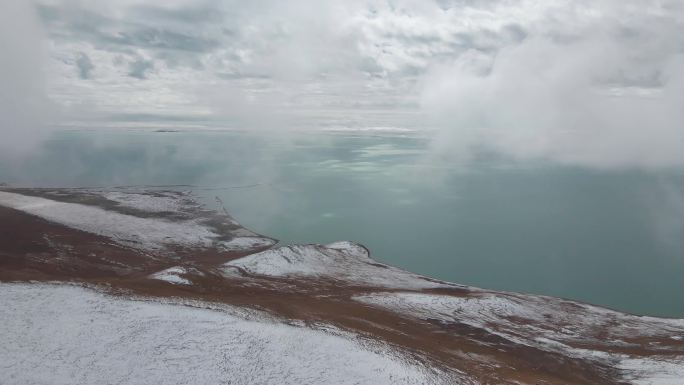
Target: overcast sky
592 83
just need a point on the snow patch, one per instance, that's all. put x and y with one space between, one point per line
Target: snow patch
350 248
647 371
172 275
480 308
246 243
535 324
152 203
344 262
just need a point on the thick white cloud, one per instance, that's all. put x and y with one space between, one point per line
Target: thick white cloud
598 88
579 82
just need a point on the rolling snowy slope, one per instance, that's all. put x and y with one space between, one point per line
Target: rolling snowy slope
72 335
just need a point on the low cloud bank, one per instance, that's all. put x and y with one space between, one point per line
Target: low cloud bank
23 101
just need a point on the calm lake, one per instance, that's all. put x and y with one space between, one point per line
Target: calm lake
613 238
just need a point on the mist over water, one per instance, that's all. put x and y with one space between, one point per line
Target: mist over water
611 237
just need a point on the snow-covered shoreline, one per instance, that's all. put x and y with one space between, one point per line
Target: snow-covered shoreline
200 299
143 233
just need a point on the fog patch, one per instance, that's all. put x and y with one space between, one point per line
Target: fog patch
665 204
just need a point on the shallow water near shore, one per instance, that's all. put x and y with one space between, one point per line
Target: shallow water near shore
609 237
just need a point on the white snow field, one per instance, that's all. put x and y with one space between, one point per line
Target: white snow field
60 334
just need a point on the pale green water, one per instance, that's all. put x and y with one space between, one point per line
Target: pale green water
614 238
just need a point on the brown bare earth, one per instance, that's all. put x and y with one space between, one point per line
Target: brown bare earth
33 249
